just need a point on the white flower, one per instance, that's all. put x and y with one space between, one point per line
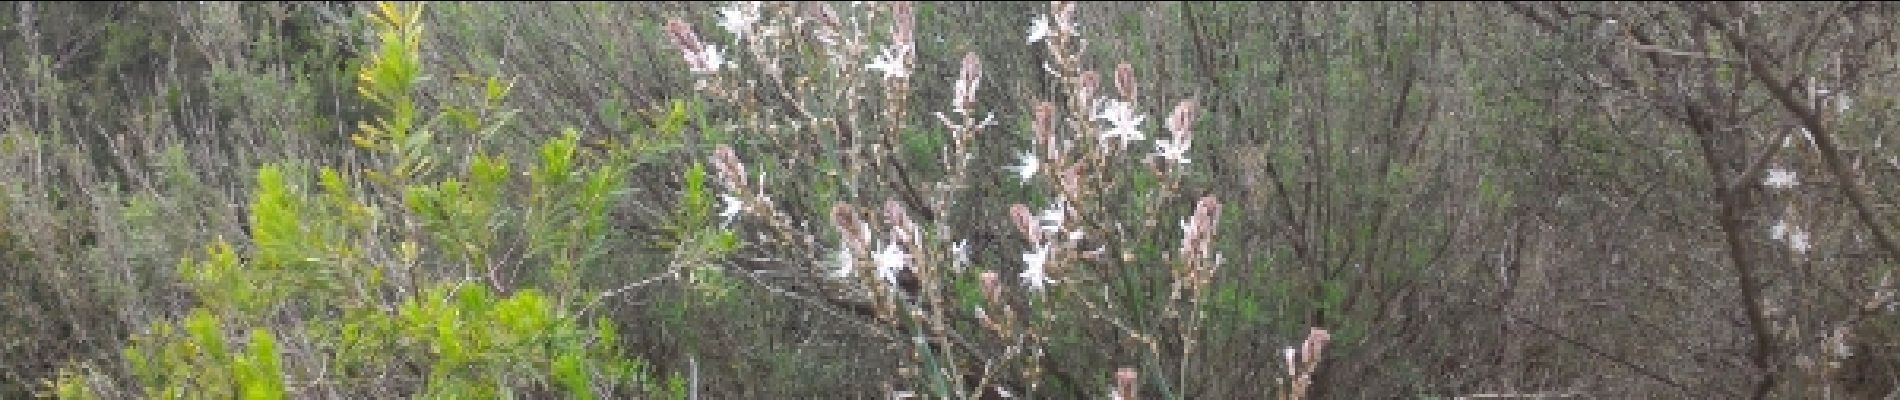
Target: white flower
1798 241
733 207
739 17
1052 217
1290 366
1174 150
891 61
961 251
1033 274
889 260
708 61
845 262
1127 124
1028 168
1038 29
1779 230
1780 179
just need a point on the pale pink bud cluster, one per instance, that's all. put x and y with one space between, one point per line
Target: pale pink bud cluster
828 23
902 227
701 57
964 93
1026 223
895 60
731 171
992 287
1090 81
1181 127
1301 369
903 29
1045 127
1197 236
851 229
1125 383
1065 17
1125 81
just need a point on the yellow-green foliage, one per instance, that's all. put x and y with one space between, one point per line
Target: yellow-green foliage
314 264
196 362
477 344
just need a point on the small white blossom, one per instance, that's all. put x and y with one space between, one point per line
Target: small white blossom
1052 217
1798 241
739 17
961 252
891 62
1780 179
889 260
1778 231
708 61
1290 366
845 262
1038 29
1172 150
1127 124
733 207
1028 168
1033 274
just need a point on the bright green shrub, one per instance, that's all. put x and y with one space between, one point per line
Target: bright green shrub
448 323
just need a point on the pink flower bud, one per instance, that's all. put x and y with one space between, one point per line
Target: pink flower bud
683 37
1090 80
1046 126
1206 215
1065 17
903 28
730 169
1315 342
1026 223
846 218
901 226
1182 121
1125 382
967 80
992 288
1125 81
